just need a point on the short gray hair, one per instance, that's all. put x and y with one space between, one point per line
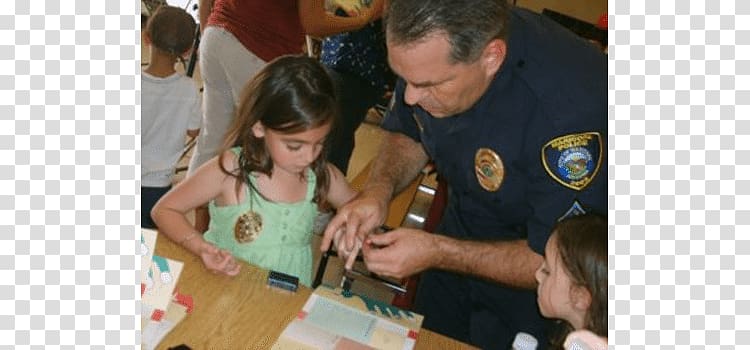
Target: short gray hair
468 24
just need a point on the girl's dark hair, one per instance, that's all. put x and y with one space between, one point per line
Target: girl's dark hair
171 30
582 246
468 24
291 94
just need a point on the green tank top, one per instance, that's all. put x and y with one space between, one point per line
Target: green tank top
284 241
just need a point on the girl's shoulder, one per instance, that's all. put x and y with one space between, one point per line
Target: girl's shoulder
228 164
229 159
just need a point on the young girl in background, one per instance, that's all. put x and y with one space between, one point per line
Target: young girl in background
573 277
263 191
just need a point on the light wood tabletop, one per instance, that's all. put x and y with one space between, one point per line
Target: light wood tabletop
241 312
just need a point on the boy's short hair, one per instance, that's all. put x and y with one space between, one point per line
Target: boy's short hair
171 30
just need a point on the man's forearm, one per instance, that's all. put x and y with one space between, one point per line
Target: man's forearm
511 263
399 161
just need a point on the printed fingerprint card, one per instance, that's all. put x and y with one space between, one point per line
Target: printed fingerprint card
336 320
161 279
148 244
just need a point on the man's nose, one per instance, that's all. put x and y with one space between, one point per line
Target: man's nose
412 95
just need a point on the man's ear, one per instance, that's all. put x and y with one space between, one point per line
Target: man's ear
493 56
258 130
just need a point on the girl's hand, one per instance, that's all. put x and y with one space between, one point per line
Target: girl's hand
361 216
214 259
219 261
349 253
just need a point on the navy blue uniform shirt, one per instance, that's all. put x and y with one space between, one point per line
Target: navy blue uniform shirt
546 88
545 116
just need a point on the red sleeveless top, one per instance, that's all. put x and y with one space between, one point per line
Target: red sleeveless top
267 28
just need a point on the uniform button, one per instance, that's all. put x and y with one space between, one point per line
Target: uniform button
283 226
286 211
283 238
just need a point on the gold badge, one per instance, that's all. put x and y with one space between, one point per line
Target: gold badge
248 227
489 169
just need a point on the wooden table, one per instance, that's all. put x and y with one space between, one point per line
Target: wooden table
241 312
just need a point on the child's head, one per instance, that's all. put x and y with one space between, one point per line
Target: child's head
285 113
171 30
573 277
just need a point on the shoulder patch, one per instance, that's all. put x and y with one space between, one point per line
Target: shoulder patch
573 160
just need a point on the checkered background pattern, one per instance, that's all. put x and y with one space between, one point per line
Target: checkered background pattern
69 109
679 160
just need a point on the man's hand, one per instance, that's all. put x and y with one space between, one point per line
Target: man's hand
400 253
356 219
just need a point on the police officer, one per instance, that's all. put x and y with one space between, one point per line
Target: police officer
512 110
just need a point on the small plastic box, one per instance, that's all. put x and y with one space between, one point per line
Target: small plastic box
283 281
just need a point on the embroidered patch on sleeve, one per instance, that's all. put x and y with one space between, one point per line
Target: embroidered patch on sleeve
573 160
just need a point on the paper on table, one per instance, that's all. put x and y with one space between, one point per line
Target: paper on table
148 244
346 321
155 330
160 282
300 335
334 319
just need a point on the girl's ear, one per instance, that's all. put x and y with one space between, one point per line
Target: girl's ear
258 130
581 298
